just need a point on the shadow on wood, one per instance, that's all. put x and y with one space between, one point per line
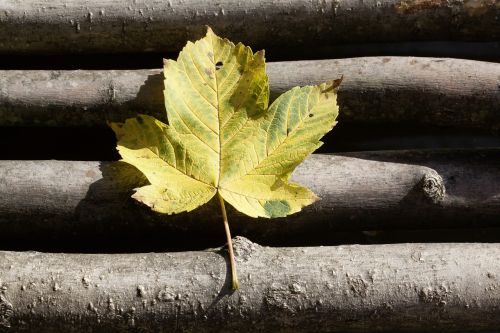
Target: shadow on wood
359 191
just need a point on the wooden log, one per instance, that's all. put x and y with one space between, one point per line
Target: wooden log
66 26
49 200
427 91
400 287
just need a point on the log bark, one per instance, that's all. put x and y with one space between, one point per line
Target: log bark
399 287
66 26
426 91
50 200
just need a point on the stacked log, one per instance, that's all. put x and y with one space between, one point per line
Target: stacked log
346 288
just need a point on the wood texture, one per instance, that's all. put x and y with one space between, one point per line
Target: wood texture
403 288
426 91
158 26
360 191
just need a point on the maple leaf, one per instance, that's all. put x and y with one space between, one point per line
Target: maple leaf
222 138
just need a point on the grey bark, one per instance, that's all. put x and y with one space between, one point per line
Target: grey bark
430 91
159 26
403 288
360 191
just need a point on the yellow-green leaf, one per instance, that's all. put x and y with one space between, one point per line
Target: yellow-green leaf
223 138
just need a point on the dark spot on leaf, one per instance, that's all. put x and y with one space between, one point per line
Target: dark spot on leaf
277 208
311 115
209 72
140 120
218 65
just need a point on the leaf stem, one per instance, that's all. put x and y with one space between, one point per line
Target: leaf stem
234 275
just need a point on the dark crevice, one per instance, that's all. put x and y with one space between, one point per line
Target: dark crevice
46 143
98 144
488 51
153 242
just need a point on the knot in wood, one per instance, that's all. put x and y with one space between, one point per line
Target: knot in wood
243 248
433 187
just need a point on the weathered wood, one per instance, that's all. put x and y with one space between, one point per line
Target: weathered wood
430 91
160 26
433 91
403 288
359 191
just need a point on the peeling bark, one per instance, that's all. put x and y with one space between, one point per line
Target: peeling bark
359 191
66 26
401 287
428 91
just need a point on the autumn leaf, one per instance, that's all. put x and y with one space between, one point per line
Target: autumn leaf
222 138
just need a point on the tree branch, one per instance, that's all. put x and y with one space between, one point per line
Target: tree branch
358 191
73 26
427 91
401 287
